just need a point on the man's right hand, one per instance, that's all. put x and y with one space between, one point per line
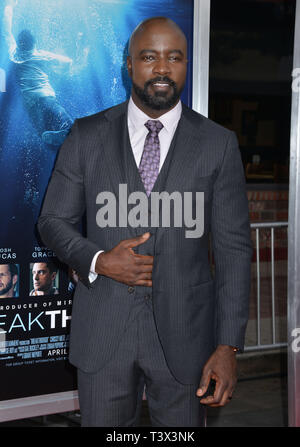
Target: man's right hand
122 264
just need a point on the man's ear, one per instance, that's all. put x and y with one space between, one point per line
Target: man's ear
15 279
129 66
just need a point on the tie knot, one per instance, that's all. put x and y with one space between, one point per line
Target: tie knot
154 126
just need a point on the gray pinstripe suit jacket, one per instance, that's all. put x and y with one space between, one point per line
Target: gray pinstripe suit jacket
193 311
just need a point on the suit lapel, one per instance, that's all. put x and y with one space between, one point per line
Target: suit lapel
183 154
182 159
132 174
111 134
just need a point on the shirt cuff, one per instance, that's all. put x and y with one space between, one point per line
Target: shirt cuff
93 275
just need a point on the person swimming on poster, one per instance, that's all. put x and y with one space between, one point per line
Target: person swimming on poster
48 117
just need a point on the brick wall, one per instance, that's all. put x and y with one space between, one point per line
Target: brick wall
268 206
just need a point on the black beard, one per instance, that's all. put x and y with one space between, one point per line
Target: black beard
7 288
158 101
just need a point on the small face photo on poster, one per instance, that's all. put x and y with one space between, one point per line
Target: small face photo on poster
44 279
9 280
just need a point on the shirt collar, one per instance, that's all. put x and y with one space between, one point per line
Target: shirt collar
138 118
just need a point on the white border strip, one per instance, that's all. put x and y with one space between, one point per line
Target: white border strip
29 407
201 56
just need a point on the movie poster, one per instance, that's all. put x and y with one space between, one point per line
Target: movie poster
59 60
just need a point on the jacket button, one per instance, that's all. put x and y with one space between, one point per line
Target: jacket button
130 289
147 297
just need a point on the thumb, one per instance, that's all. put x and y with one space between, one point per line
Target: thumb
134 242
204 382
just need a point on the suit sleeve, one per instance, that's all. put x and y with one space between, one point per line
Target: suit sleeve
232 248
63 208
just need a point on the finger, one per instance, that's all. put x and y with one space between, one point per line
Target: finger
143 282
143 259
144 276
228 399
219 391
207 401
145 268
224 401
211 398
204 382
135 241
229 394
216 399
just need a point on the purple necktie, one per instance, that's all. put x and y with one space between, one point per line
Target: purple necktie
149 165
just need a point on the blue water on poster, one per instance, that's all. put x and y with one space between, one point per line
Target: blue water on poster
94 34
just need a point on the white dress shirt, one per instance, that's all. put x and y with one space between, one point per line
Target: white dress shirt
136 120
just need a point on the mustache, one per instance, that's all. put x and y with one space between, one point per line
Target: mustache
164 79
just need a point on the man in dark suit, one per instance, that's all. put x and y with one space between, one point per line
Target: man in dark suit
147 313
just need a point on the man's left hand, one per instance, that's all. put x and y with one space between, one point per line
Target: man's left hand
221 367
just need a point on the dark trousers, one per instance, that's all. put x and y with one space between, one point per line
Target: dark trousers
112 397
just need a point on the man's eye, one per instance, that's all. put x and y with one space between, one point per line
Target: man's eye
149 58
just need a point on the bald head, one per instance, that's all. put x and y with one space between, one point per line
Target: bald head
155 24
157 65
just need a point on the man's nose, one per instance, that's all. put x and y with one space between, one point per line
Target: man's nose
162 66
